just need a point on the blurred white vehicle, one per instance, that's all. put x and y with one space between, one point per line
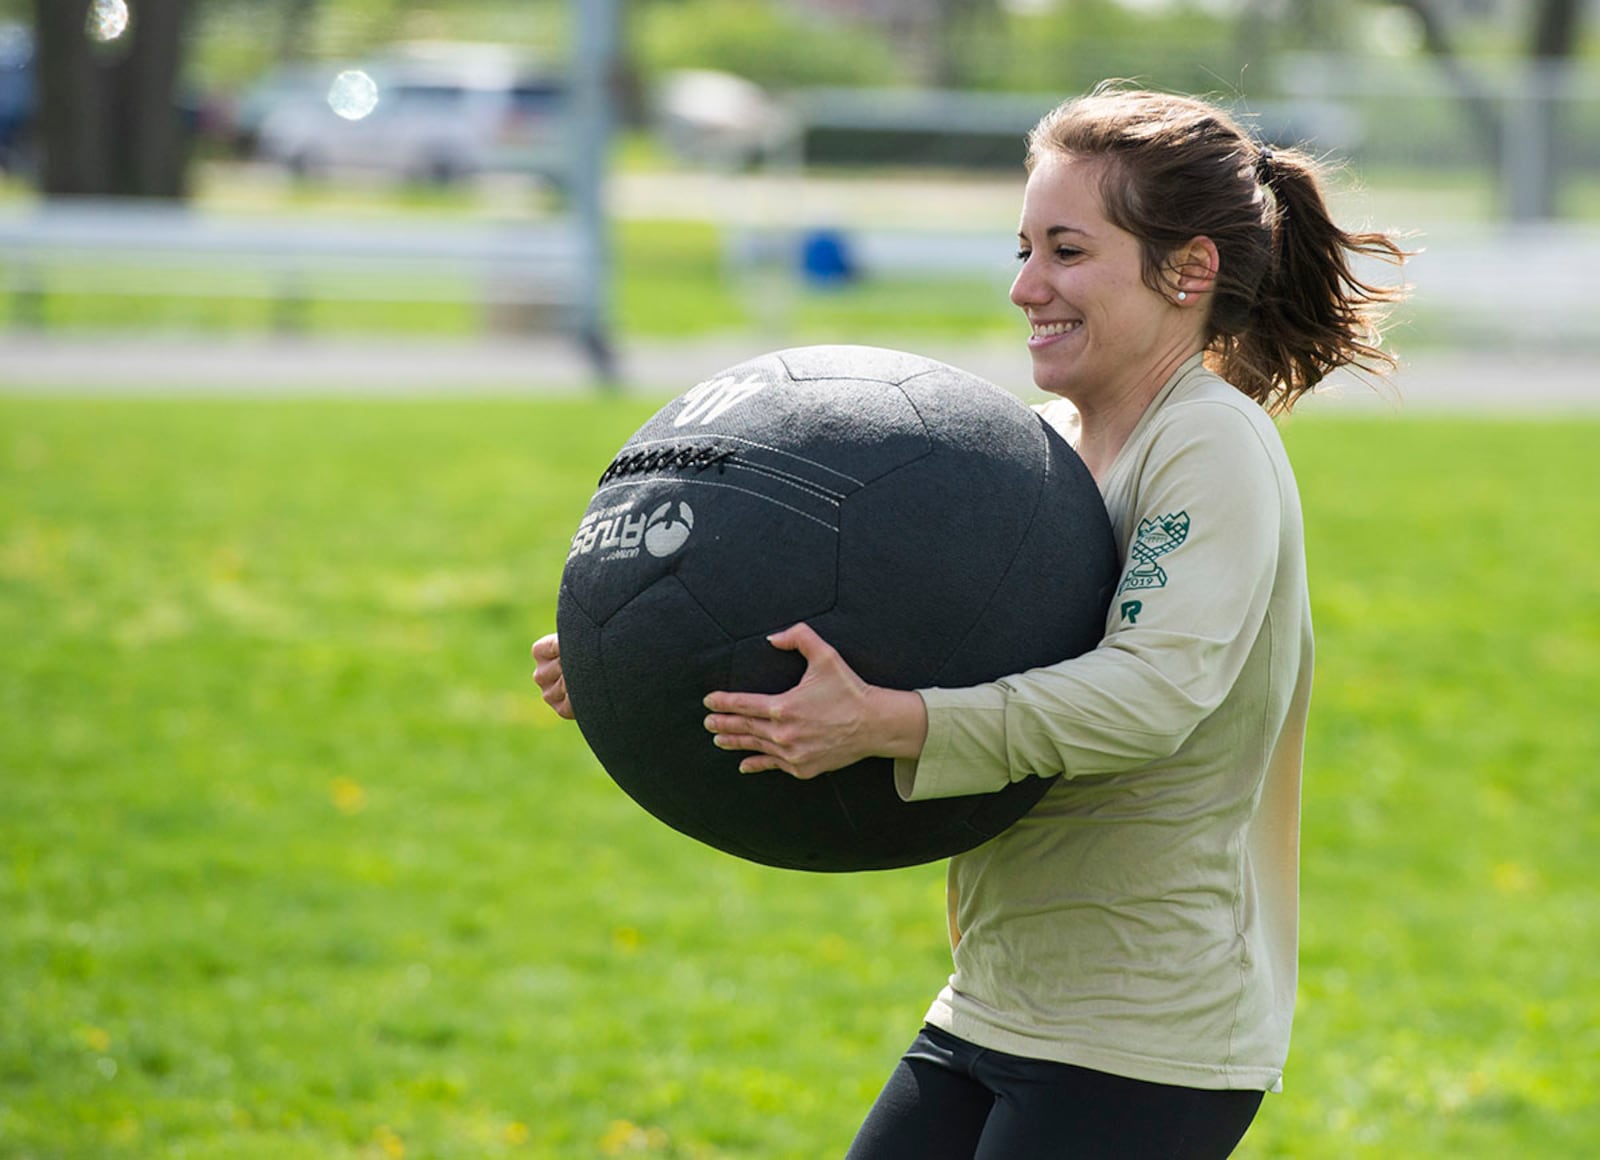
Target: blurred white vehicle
717 118
444 112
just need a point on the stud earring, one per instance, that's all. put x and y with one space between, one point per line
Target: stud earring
1183 296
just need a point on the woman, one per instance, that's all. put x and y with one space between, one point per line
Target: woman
1125 955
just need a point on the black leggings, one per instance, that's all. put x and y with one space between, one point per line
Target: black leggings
950 1100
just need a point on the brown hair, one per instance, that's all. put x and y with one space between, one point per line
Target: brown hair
1287 307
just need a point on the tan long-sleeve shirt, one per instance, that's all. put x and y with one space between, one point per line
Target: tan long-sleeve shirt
1141 920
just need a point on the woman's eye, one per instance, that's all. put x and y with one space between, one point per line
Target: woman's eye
1024 255
1067 252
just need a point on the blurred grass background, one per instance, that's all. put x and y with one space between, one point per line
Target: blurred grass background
296 865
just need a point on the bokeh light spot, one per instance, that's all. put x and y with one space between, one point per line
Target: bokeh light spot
108 19
353 95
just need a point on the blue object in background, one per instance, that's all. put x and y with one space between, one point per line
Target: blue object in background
825 258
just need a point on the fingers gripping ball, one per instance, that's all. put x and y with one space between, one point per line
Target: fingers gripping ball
928 525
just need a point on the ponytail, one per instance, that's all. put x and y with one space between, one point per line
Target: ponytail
1311 313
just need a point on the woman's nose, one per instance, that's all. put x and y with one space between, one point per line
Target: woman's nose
1026 289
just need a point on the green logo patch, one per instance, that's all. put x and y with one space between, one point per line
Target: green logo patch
1156 538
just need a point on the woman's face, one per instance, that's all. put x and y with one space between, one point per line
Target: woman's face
1097 329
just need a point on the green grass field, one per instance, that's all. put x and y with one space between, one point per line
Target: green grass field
293 863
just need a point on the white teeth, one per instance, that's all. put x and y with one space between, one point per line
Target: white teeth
1050 329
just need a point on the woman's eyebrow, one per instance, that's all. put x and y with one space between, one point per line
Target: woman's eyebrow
1055 232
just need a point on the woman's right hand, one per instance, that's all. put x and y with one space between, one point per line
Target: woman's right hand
547 672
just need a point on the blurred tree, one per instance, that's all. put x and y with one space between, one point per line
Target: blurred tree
295 29
1439 43
774 45
1553 36
948 27
109 121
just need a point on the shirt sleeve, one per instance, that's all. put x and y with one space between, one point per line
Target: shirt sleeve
1203 548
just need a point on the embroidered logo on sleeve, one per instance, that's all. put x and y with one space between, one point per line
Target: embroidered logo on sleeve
1156 538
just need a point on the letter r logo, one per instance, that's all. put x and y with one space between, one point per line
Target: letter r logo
1131 610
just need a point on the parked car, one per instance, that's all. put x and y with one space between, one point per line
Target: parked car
715 118
444 112
287 84
16 95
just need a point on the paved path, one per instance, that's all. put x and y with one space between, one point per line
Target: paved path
1489 380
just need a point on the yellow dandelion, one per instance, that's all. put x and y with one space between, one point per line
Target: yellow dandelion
1514 878
626 939
624 1136
516 1132
348 796
833 948
387 1139
619 1136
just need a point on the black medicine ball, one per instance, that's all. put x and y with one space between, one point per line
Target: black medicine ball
927 524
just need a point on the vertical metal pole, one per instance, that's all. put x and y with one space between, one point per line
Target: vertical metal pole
1531 160
1522 162
593 93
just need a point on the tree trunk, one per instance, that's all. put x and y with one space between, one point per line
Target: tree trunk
1523 143
109 123
71 131
1555 28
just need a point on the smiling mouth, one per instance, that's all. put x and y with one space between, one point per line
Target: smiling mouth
1052 329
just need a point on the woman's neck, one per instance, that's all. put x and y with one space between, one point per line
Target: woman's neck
1105 421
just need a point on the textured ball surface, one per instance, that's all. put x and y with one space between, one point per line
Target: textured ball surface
927 524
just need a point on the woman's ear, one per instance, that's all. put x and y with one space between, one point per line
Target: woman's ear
1192 268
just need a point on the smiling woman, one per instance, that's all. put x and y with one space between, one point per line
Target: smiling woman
1125 955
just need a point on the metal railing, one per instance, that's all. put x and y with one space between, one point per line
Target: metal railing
139 249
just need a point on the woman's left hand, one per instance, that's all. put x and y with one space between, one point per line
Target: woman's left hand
831 719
